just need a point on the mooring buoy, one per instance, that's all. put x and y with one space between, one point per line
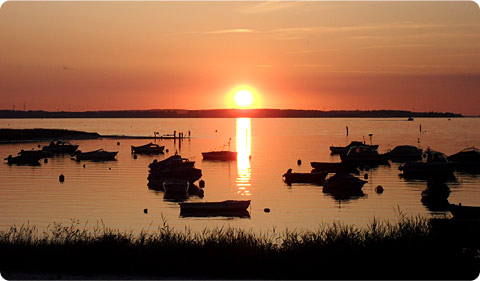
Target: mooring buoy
118 143
379 189
166 150
61 178
134 156
299 162
266 210
145 211
84 165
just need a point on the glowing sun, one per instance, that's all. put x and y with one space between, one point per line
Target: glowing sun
243 98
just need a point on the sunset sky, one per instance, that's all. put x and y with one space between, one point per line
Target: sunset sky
421 56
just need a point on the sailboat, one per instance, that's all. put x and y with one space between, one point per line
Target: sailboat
220 154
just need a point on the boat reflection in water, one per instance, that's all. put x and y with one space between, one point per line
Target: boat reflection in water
243 156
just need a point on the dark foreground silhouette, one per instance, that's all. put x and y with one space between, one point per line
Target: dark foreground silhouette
410 249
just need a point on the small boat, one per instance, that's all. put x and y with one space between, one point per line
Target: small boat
200 213
176 186
96 155
35 153
344 149
60 147
23 160
333 167
464 212
435 166
175 161
364 155
149 148
228 205
467 160
404 153
410 118
343 182
316 178
220 154
189 174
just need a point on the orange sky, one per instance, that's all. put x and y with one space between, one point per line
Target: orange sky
422 56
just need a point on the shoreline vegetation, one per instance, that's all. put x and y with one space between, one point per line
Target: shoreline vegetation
224 113
412 248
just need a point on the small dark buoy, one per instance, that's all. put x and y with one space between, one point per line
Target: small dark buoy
145 211
61 178
365 176
109 168
166 150
84 165
134 156
266 210
38 145
201 183
45 160
118 143
379 189
299 162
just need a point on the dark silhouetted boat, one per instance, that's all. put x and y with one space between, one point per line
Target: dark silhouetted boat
201 213
344 149
465 212
149 148
35 153
23 160
174 161
316 178
333 167
220 154
343 183
436 165
410 118
223 206
466 160
363 155
96 155
404 153
60 147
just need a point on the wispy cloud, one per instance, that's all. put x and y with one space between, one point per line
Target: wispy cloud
393 46
264 65
236 30
267 7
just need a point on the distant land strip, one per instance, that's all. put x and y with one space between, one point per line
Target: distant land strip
224 113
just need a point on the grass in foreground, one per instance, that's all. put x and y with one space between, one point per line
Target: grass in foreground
412 248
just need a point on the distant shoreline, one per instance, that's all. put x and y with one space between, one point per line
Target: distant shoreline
225 113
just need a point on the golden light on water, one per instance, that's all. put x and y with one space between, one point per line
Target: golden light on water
243 156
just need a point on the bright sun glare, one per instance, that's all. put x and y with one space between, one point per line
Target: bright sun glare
243 98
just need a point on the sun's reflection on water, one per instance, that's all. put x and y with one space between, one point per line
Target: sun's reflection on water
243 156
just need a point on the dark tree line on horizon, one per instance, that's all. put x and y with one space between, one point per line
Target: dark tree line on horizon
222 113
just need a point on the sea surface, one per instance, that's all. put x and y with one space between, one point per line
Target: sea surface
115 193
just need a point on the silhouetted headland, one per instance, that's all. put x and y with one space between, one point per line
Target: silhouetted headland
224 113
19 135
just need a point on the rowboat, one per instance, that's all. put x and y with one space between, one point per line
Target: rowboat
35 153
220 155
404 153
228 205
464 212
23 160
149 148
343 182
96 155
316 178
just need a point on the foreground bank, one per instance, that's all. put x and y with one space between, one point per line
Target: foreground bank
413 248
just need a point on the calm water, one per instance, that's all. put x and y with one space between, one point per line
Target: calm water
117 193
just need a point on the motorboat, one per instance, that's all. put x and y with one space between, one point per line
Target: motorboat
176 186
465 212
363 155
220 155
466 160
174 161
404 153
228 205
23 160
149 148
344 149
343 182
333 167
316 178
436 165
96 155
60 147
35 153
